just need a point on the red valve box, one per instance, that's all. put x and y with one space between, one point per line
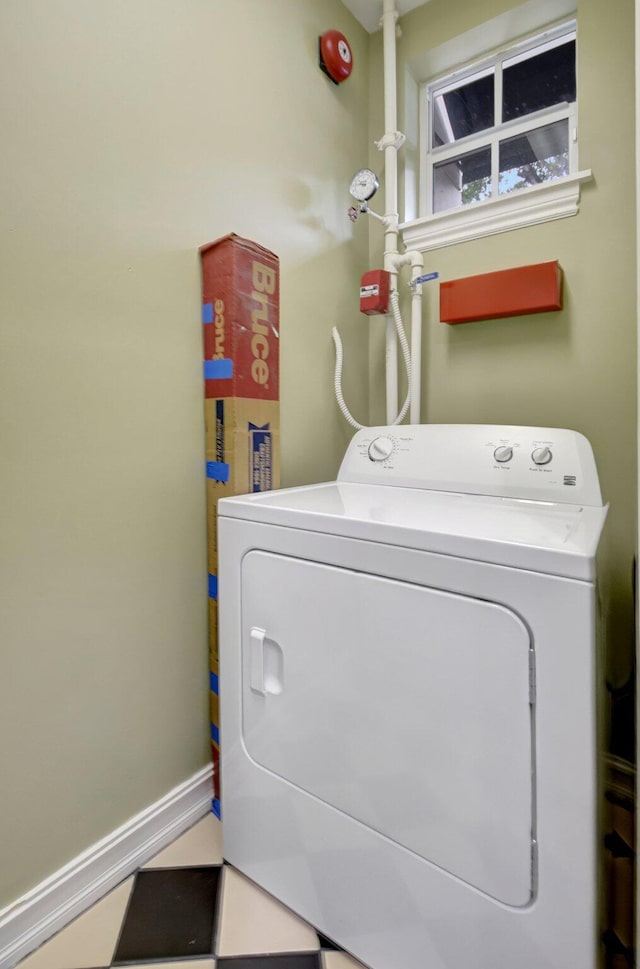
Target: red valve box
375 287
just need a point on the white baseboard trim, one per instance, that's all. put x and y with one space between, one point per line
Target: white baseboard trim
32 919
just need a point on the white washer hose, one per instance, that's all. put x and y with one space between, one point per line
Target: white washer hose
395 309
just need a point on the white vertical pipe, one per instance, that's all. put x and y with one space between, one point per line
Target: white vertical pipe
389 18
391 364
416 260
416 344
637 617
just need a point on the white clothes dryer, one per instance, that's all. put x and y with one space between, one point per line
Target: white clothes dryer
408 689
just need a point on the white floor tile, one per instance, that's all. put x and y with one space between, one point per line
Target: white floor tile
88 941
339 960
200 845
252 922
190 964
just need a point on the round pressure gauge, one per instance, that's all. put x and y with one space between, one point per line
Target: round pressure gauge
364 185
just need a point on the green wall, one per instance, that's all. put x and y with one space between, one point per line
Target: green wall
575 368
133 132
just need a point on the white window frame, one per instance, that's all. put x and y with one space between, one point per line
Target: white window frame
557 198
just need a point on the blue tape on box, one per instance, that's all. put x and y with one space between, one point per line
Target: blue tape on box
218 369
213 586
215 734
207 312
218 470
215 807
213 683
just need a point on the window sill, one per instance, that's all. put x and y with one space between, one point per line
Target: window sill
557 200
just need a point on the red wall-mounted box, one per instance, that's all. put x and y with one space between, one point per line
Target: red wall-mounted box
375 287
510 292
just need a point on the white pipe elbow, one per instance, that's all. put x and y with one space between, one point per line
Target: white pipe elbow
411 258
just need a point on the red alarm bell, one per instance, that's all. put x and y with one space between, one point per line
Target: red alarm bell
336 59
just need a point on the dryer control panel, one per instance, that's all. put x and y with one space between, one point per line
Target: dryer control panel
535 463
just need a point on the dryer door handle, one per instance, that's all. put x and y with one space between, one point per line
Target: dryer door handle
257 660
266 675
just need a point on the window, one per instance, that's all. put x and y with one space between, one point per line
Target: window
502 125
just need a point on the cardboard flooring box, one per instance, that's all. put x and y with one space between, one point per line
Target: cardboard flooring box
240 315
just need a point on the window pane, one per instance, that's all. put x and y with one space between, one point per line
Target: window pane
539 81
462 180
463 111
541 155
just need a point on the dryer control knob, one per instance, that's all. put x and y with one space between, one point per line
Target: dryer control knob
380 449
541 455
503 454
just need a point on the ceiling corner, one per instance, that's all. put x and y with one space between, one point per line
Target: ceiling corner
369 12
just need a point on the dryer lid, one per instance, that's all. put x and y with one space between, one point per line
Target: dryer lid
550 537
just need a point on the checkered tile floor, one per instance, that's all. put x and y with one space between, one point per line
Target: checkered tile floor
187 910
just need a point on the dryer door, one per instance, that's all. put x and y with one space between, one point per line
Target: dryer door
405 707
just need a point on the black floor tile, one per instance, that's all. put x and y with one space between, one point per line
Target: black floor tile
326 943
170 915
270 962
